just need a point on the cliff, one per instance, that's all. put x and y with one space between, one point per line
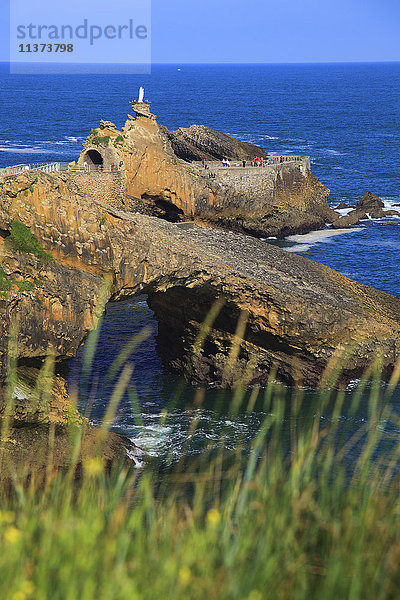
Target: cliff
160 179
298 313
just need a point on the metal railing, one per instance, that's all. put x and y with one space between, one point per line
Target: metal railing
95 169
54 167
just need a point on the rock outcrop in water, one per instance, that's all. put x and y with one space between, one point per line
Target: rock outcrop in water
277 200
369 206
297 313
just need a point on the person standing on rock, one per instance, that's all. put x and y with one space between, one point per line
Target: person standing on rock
244 164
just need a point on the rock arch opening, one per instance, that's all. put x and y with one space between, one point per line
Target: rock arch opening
163 209
94 158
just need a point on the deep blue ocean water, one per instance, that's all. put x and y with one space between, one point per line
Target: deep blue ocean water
346 117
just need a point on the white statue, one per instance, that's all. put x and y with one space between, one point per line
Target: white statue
141 94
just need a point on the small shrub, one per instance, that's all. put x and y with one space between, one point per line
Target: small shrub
31 189
25 286
119 140
5 284
101 141
23 240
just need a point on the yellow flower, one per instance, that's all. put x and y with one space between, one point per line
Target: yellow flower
12 534
28 587
184 575
19 595
255 595
213 517
6 516
93 466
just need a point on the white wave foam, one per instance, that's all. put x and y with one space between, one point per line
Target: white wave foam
390 202
333 152
304 242
134 456
344 211
268 137
27 150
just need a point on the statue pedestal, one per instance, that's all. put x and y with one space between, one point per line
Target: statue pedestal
142 109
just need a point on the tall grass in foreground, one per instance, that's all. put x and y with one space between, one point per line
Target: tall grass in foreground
277 524
277 521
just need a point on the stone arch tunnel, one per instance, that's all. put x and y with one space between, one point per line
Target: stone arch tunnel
93 157
99 157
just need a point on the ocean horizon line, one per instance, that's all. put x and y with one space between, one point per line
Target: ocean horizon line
216 63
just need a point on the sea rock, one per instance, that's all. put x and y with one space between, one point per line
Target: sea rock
343 206
371 204
299 314
199 141
392 213
350 220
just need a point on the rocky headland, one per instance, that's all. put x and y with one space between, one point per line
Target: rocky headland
62 236
162 173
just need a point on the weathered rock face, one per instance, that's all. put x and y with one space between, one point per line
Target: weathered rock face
372 204
298 312
288 200
198 141
271 201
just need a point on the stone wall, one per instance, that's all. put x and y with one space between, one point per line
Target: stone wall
258 180
108 187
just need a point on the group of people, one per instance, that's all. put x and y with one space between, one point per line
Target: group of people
257 161
113 166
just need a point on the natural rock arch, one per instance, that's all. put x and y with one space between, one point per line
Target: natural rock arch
299 313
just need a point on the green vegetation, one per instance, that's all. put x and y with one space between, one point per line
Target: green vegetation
101 140
280 518
5 284
103 221
23 240
25 286
119 140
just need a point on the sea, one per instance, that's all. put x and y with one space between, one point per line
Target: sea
345 116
